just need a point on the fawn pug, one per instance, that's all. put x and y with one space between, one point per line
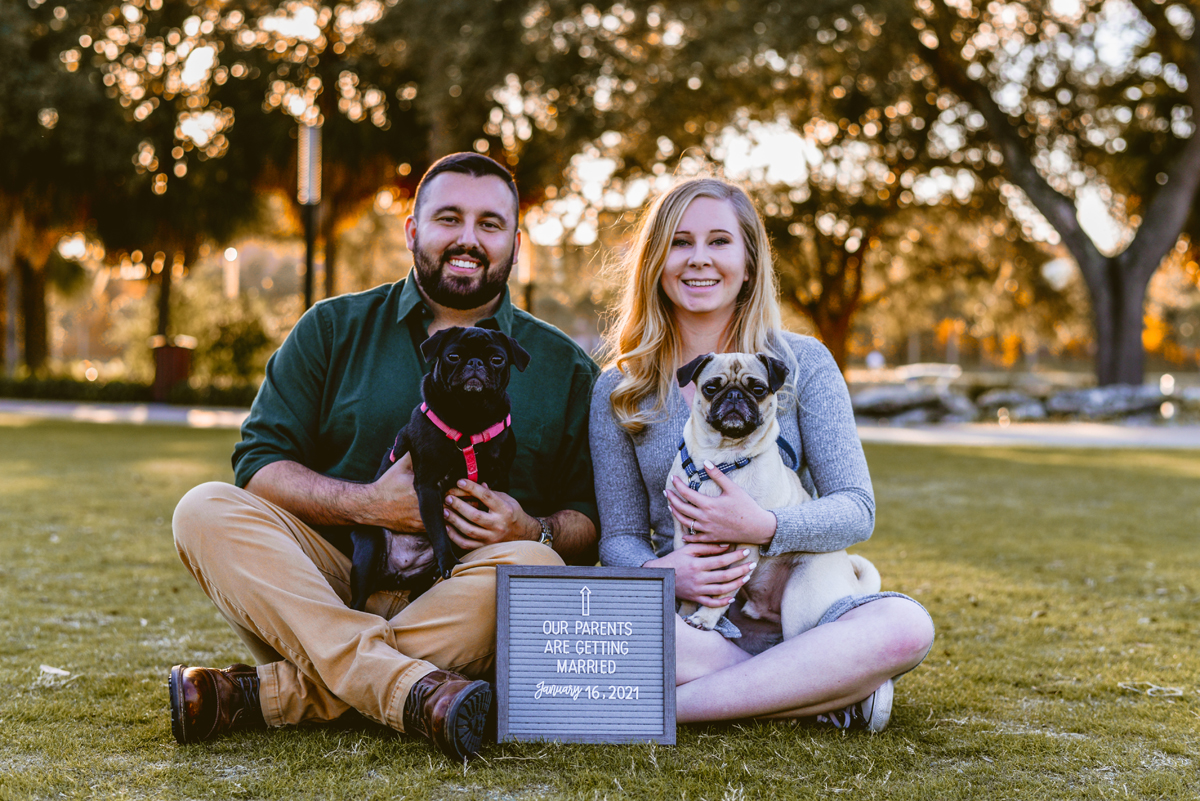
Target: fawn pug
733 426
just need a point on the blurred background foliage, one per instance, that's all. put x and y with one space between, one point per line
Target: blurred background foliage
996 183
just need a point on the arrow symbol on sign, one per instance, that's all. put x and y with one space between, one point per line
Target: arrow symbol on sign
586 599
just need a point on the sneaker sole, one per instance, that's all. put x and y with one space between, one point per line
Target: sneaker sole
174 687
468 718
881 709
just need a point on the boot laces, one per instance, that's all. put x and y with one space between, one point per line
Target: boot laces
251 710
413 709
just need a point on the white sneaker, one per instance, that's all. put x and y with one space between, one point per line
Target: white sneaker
872 713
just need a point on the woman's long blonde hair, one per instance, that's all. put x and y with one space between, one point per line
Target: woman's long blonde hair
644 342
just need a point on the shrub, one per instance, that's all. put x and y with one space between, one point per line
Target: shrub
69 389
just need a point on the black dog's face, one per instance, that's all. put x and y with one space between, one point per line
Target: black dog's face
735 392
473 360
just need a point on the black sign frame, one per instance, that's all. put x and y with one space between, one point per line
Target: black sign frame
506 575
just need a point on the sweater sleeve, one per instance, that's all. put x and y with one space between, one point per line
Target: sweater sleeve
620 492
844 510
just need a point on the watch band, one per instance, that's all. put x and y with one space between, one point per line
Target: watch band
547 535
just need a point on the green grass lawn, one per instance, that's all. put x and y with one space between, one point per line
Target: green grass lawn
1064 584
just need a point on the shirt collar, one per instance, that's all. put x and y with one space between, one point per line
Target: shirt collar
411 300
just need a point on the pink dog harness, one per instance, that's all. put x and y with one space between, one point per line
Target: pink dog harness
468 452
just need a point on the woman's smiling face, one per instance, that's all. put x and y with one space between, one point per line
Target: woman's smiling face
706 260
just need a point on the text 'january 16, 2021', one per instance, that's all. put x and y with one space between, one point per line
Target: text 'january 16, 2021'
586 655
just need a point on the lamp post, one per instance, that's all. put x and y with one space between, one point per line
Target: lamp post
308 192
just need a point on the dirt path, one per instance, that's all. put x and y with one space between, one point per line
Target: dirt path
1071 435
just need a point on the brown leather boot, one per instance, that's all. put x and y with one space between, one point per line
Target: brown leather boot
449 710
206 702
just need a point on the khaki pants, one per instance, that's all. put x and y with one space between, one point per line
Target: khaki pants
285 591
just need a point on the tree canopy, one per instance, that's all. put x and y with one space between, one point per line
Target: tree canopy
1036 105
957 121
1097 96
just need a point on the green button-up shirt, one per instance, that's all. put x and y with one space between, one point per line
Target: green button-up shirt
348 376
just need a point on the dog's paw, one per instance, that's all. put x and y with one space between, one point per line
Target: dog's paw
445 566
696 621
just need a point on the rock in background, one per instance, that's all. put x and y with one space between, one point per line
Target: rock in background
1017 406
1107 403
913 404
1034 399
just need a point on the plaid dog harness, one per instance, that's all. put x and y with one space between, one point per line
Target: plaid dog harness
697 476
489 433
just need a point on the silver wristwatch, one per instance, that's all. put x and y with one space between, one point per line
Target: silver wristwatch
547 536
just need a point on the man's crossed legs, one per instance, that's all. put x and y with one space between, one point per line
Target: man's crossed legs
284 589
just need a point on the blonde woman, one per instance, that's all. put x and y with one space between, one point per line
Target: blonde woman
700 280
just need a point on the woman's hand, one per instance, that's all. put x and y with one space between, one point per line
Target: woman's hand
732 516
706 573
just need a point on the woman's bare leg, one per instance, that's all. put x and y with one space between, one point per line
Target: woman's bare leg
823 669
698 653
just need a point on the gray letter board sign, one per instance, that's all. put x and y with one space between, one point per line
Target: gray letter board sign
585 654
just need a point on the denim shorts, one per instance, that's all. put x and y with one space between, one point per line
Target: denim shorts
844 605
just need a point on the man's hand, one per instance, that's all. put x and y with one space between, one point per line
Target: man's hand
705 573
394 500
396 507
499 517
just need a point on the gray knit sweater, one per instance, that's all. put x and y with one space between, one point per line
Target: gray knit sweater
631 472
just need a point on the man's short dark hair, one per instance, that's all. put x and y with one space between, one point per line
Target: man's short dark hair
474 164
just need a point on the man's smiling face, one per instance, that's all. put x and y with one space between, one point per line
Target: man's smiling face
465 240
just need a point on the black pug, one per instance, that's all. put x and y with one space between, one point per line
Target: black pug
463 429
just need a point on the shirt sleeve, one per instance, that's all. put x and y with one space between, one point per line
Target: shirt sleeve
844 512
285 417
620 491
575 483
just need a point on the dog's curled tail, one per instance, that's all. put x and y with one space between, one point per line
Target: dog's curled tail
868 576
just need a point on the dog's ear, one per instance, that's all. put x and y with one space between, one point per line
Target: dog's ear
431 347
777 371
517 355
686 374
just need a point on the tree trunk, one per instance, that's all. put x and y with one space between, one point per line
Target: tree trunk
3 321
12 332
1104 291
1128 362
841 294
834 331
7 237
832 308
164 299
1117 285
1118 296
33 314
833 327
328 217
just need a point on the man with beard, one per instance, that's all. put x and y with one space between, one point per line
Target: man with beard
273 552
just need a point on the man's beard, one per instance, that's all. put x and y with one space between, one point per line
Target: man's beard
454 291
